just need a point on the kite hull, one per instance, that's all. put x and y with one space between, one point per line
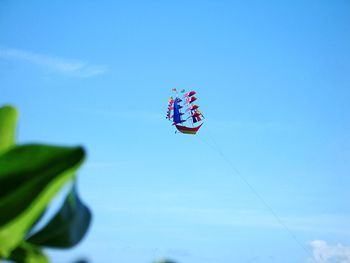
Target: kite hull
188 130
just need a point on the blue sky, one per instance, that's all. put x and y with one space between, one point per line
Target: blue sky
273 80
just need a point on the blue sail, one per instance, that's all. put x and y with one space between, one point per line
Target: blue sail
177 114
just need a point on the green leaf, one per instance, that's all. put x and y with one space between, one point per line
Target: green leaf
27 253
8 122
30 176
67 227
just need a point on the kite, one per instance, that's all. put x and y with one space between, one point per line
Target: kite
184 113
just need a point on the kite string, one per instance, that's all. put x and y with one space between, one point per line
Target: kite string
217 148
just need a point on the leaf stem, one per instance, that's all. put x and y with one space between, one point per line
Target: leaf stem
8 124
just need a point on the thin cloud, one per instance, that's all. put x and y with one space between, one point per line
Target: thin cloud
57 64
142 115
325 253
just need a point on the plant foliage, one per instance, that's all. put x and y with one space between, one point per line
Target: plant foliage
30 177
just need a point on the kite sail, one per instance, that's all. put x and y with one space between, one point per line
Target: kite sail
184 113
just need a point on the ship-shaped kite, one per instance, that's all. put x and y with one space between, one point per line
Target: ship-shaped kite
184 113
